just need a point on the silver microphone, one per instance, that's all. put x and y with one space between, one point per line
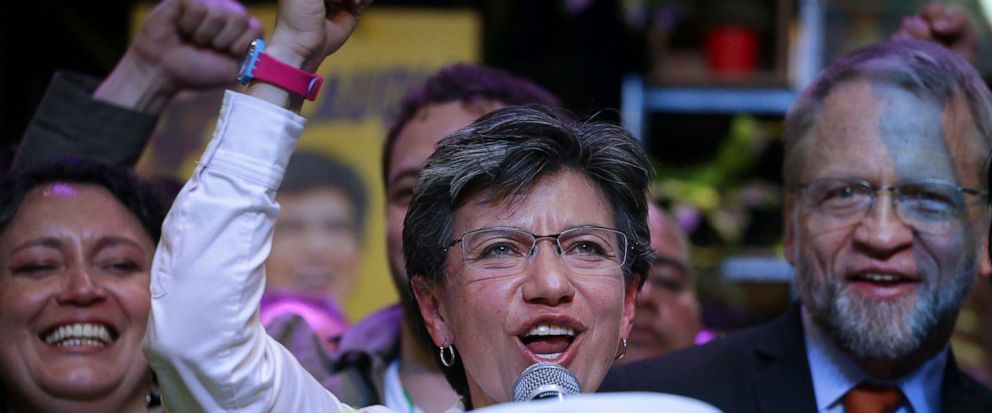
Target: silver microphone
545 381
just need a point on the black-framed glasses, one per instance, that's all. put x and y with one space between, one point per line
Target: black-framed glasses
587 250
928 206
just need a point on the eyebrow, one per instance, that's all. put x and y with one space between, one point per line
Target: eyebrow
48 242
55 243
403 174
666 260
110 241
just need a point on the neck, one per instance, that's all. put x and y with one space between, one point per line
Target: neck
421 377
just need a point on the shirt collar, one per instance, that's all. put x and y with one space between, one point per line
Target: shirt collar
834 373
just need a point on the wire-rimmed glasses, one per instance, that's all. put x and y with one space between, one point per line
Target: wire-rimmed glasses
928 206
587 250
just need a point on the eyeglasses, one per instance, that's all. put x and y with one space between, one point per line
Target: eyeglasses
928 206
587 250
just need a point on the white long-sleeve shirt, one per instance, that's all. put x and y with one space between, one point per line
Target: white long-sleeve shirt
204 338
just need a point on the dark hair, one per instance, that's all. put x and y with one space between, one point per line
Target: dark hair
463 83
308 171
143 199
505 153
926 69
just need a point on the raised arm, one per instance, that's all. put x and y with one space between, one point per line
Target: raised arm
204 338
182 45
947 26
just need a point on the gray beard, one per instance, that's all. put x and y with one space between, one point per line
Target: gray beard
882 330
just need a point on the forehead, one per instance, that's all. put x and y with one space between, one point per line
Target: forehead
416 141
556 202
66 208
881 132
665 236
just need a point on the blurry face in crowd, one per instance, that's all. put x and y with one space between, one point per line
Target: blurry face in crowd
414 145
887 284
74 298
667 310
545 311
316 248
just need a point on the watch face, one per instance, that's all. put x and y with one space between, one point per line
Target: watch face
244 73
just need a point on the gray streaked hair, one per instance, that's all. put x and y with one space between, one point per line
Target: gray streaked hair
502 155
925 69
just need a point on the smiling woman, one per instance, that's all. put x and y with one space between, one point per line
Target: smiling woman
76 244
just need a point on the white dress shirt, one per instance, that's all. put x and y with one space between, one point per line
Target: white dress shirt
834 373
204 338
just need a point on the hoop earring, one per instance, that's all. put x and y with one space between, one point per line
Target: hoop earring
623 341
447 354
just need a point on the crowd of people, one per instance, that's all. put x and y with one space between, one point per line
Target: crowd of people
515 235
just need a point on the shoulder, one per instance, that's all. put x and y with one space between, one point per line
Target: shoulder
962 393
706 365
724 371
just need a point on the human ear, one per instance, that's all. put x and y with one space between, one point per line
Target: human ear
788 240
431 309
629 308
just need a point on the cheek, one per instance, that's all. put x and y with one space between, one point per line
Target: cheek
134 297
478 311
606 302
821 252
394 224
20 302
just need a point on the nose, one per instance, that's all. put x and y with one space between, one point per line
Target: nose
882 233
548 281
81 288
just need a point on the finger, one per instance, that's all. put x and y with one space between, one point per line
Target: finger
209 27
952 23
190 17
913 27
232 29
239 45
933 11
167 10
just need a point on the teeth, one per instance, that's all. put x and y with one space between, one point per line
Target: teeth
550 330
880 277
80 334
551 356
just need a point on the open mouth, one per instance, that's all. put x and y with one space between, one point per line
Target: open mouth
548 341
80 335
881 279
883 286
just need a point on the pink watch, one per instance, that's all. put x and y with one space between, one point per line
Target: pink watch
261 66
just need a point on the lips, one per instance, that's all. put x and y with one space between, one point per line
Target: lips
550 338
883 285
548 341
80 335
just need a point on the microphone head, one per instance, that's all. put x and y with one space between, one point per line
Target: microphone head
545 381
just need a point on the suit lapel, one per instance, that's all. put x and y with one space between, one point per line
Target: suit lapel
782 378
961 393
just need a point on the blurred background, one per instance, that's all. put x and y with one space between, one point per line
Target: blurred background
703 84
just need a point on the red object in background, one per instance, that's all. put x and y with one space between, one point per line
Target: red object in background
732 49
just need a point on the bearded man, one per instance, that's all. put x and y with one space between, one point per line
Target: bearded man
885 209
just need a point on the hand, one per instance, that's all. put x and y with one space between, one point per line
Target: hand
936 23
183 44
307 31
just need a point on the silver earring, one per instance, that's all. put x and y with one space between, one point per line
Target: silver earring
447 354
623 352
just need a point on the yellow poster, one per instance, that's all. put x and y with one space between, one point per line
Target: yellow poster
391 51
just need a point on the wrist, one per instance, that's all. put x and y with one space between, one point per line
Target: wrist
136 85
293 56
275 75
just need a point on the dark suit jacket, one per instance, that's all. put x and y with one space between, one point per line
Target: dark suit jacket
762 369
